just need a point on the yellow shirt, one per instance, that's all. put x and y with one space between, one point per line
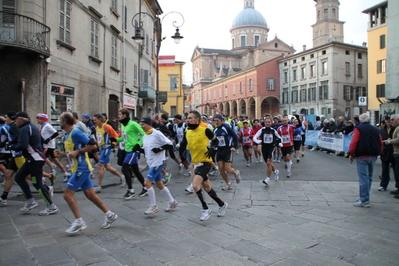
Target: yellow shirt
197 144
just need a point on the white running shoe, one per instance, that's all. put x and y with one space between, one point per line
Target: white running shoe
181 167
222 209
49 210
29 206
151 210
109 220
205 214
275 174
171 206
238 176
76 227
190 189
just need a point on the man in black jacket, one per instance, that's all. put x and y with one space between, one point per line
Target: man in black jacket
386 155
29 143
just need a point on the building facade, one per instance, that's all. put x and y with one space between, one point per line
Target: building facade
87 62
230 79
331 78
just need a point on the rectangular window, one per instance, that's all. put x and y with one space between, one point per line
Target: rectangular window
123 68
124 25
325 13
359 55
309 94
324 68
294 62
285 77
114 4
323 90
214 94
220 93
271 84
381 66
303 58
380 90
251 85
173 84
303 95
347 69
226 91
285 97
257 38
135 75
234 89
303 72
94 28
144 77
242 39
114 57
311 55
285 63
323 52
333 13
312 72
382 41
294 78
295 96
347 93
241 91
147 43
360 92
347 52
359 70
65 21
314 93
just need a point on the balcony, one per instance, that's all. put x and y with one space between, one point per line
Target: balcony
22 32
147 92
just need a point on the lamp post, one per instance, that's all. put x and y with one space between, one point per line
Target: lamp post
139 38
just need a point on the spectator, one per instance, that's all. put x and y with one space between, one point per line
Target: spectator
310 125
386 156
395 144
340 125
349 128
317 124
331 126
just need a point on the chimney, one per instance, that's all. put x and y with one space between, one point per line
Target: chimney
304 47
364 44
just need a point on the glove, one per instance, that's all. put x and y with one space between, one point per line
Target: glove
112 147
47 141
210 153
280 144
177 146
8 146
136 148
156 150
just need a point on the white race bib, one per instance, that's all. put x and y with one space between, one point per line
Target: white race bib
268 138
99 137
286 138
246 139
124 136
221 140
297 137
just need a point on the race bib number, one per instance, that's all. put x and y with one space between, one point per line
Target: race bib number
246 139
297 137
124 136
222 142
286 138
99 137
71 161
267 138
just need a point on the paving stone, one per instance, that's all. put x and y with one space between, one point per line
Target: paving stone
334 230
291 219
135 256
164 251
92 253
308 256
334 252
385 255
254 252
363 260
347 244
215 237
292 239
50 253
290 262
229 258
39 241
13 253
328 214
377 241
192 261
312 217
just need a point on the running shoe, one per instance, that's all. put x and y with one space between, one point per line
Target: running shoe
3 202
129 195
190 189
278 160
54 166
205 214
288 174
238 176
187 173
143 192
222 209
166 179
109 220
29 206
362 204
171 206
212 173
97 189
382 188
248 164
181 168
49 210
297 160
275 174
66 177
122 181
266 181
76 227
227 187
151 210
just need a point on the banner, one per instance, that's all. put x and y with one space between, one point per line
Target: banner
330 141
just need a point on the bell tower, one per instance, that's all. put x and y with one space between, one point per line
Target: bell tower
327 28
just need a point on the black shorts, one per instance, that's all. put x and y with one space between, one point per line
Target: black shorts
203 170
286 150
5 157
267 153
12 165
297 145
50 153
245 148
303 139
224 155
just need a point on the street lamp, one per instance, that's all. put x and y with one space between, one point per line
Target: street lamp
139 38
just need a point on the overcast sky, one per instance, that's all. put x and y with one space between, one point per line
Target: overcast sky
207 24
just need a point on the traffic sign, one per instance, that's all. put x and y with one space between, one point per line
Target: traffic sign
362 101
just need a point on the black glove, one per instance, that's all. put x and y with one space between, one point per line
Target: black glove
111 139
8 146
210 153
113 147
136 148
215 142
47 141
156 150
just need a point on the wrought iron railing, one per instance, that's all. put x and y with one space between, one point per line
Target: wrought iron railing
146 92
24 32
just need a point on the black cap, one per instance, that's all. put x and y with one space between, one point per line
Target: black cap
178 117
11 114
22 114
146 120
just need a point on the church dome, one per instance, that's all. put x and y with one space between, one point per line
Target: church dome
249 17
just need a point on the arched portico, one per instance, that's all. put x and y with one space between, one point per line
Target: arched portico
270 105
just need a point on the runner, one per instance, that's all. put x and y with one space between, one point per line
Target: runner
257 147
246 134
77 144
196 139
269 139
286 131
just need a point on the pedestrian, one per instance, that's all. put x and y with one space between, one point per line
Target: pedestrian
154 145
246 135
197 139
29 143
77 145
395 143
366 145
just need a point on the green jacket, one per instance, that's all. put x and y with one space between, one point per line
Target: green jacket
132 134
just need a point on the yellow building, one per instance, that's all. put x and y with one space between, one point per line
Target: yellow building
377 54
171 94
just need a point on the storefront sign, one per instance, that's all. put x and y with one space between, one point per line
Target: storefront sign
62 90
129 102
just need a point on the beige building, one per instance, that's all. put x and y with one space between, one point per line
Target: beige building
78 55
331 78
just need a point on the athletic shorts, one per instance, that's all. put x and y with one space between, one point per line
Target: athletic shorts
224 155
4 157
49 153
105 156
15 163
297 145
155 173
267 153
286 150
131 158
245 148
80 179
202 169
303 139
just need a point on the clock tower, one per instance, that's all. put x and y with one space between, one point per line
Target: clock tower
327 28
